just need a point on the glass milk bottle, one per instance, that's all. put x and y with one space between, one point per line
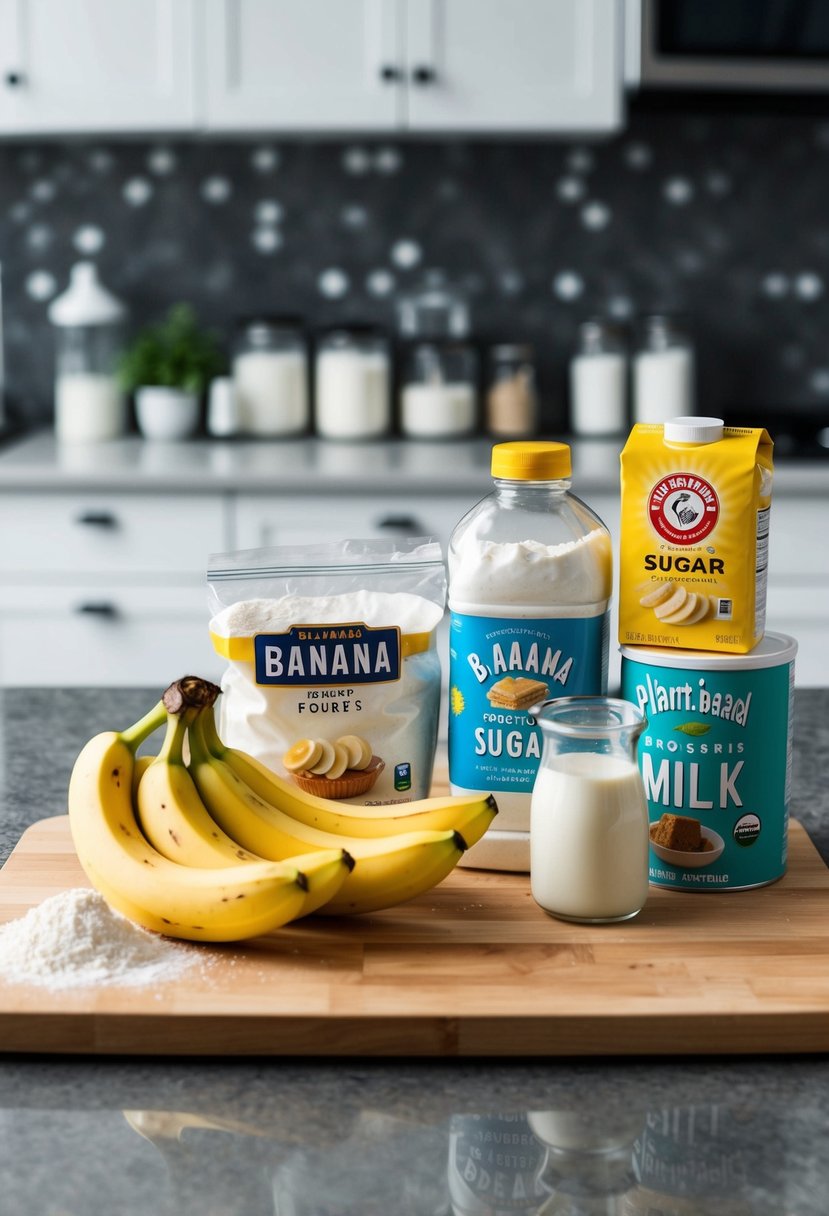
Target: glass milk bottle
530 575
589 818
88 320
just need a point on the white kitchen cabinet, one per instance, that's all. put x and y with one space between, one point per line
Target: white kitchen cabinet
96 65
106 588
798 590
483 65
104 634
328 64
418 65
262 520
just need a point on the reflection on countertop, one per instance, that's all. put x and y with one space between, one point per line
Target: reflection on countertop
310 466
254 1152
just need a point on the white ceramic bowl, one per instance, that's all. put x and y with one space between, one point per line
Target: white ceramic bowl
692 861
166 413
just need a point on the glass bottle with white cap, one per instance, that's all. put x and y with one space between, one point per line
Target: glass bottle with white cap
89 320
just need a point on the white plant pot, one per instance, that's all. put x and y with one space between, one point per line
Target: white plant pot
167 413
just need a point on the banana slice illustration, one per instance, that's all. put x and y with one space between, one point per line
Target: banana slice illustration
701 611
326 759
303 754
658 595
672 604
683 613
359 751
340 763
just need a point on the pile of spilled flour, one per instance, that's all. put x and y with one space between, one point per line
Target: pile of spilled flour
75 940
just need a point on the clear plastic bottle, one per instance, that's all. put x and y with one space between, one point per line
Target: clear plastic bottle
530 580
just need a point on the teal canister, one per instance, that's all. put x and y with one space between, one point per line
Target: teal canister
716 761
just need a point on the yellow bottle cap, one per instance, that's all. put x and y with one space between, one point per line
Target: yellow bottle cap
536 460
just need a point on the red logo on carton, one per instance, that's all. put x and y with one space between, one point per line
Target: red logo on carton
683 508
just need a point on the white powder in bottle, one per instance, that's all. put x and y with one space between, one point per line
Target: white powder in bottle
560 578
75 940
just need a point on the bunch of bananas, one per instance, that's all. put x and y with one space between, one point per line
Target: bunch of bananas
219 848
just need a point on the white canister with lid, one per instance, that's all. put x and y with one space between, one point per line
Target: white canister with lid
270 375
353 383
89 403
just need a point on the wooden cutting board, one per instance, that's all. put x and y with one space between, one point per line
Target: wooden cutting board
473 968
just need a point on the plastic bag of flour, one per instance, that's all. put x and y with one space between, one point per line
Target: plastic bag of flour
333 677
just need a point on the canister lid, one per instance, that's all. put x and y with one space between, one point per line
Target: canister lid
86 301
693 430
533 460
774 650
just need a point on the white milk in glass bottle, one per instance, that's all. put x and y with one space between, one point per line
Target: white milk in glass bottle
530 578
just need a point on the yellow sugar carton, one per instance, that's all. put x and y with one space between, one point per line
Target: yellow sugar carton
696 499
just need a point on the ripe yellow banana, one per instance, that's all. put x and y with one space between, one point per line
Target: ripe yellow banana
325 872
370 822
172 815
227 904
388 870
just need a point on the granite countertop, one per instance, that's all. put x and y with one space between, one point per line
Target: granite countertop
309 466
745 1136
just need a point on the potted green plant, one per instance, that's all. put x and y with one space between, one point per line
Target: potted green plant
167 367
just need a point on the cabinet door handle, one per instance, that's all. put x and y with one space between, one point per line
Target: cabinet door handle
97 519
402 523
390 74
423 74
14 79
102 608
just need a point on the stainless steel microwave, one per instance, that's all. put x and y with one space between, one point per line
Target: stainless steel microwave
735 44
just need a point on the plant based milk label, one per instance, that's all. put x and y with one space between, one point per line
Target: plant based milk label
715 760
499 669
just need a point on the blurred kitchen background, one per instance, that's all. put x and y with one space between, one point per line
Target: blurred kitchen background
721 218
499 218
711 206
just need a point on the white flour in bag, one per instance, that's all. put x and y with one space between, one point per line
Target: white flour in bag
397 716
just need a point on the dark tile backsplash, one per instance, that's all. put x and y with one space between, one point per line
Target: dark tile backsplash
722 217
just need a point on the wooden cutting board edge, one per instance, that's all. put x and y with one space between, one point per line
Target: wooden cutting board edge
612 1032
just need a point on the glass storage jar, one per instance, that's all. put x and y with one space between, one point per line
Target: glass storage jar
439 392
89 333
352 397
663 372
598 381
270 374
439 380
511 401
589 843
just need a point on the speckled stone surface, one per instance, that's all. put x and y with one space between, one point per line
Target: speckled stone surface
746 1137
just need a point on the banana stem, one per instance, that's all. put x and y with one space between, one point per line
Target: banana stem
205 734
135 735
172 749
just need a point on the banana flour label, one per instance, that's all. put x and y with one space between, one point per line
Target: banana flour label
333 677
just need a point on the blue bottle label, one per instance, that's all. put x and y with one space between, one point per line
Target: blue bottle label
499 668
